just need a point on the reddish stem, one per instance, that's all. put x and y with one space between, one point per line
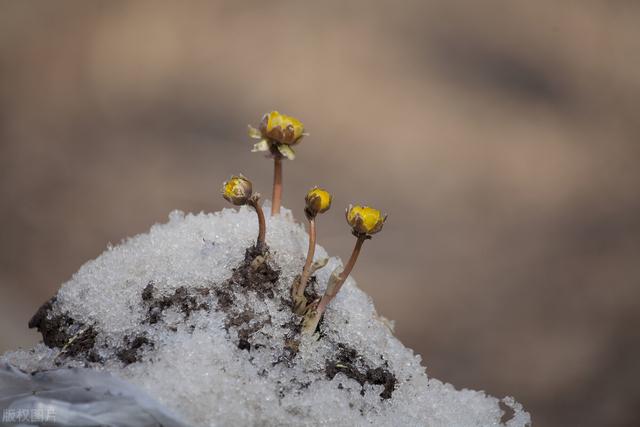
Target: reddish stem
330 294
310 253
262 225
276 200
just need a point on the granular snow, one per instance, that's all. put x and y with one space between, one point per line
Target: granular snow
187 314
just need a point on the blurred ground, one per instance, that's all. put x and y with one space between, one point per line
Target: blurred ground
501 137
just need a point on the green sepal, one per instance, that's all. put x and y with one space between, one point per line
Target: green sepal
254 133
286 151
263 145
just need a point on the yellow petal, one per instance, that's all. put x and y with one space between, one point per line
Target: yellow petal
365 220
317 200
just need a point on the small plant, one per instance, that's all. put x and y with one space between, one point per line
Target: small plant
277 134
364 222
239 191
317 201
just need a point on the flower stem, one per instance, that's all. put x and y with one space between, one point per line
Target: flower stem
277 185
313 316
332 291
262 225
299 291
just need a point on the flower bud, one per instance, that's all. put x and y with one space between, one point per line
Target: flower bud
237 190
365 220
317 201
280 128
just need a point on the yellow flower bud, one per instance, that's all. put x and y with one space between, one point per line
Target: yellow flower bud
282 129
317 201
237 190
365 220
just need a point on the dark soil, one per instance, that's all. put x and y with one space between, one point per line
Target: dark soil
130 352
55 332
52 328
81 344
226 299
291 341
256 273
240 322
348 362
147 292
507 412
184 300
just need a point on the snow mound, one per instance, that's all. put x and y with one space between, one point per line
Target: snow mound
196 318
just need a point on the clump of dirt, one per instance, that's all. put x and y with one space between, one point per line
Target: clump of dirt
348 362
241 322
55 330
291 341
130 352
82 344
507 412
184 300
226 300
256 273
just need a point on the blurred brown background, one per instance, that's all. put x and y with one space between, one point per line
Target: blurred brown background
501 137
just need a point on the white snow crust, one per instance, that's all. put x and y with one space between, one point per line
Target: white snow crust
195 366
